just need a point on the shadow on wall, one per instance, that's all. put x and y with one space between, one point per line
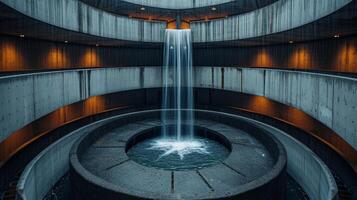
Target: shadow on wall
11 56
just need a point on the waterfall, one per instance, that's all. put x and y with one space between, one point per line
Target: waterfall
177 85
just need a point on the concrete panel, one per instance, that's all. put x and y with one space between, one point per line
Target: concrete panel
309 92
345 109
253 81
203 77
232 79
217 78
48 93
16 104
210 77
152 77
72 87
120 79
97 82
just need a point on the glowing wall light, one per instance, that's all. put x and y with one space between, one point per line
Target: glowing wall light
301 58
90 58
346 58
56 58
11 57
183 25
263 59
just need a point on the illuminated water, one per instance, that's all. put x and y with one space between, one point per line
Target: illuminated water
178 85
171 154
181 148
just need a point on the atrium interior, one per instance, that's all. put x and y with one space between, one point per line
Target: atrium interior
178 99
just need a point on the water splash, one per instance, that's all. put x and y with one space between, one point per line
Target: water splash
177 79
181 148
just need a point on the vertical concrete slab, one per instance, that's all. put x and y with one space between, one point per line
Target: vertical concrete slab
232 79
216 78
48 92
71 87
311 93
120 79
325 104
345 109
203 77
152 77
253 81
16 103
97 82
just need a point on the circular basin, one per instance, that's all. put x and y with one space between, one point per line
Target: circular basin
228 158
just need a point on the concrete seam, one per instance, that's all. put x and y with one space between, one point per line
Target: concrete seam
205 180
172 182
111 167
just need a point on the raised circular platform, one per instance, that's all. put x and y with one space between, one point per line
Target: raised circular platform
101 168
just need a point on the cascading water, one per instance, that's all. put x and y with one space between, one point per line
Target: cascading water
177 85
177 98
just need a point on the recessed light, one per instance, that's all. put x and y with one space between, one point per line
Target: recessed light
22 35
336 36
213 8
291 41
66 41
142 8
97 45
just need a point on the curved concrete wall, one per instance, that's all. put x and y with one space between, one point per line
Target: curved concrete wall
77 16
307 169
280 16
329 99
42 173
24 98
178 4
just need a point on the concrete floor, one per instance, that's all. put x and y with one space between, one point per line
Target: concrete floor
107 159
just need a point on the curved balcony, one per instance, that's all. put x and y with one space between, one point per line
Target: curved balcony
280 16
178 4
327 98
272 19
187 10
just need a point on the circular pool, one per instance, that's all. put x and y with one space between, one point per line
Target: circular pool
205 149
128 158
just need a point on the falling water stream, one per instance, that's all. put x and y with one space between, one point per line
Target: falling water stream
178 148
177 85
177 131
